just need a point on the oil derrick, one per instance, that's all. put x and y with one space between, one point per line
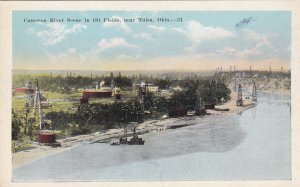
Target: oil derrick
124 139
200 110
254 96
115 92
112 83
45 136
29 97
141 96
135 140
235 85
213 99
38 113
239 101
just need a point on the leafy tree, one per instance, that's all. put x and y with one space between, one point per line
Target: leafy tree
211 92
161 104
162 83
222 91
84 114
60 119
16 123
149 101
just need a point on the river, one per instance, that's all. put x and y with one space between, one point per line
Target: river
253 145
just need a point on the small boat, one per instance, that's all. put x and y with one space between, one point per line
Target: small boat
135 140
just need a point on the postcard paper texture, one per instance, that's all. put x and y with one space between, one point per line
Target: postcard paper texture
127 93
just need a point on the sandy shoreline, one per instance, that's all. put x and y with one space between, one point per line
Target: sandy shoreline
22 157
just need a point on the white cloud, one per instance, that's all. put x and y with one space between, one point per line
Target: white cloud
259 39
241 54
121 24
57 32
144 36
179 30
112 43
232 52
105 44
197 32
261 46
72 50
156 28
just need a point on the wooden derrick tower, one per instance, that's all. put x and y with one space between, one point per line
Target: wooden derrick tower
239 101
200 109
45 136
141 94
38 107
254 96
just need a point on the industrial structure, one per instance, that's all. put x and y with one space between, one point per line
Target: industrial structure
146 87
239 101
24 90
213 88
101 91
135 140
254 96
45 136
31 96
27 89
199 109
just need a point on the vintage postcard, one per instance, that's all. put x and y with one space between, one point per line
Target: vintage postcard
139 94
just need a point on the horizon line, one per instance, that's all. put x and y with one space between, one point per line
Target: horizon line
193 70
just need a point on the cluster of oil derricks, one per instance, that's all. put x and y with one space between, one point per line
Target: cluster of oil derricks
135 140
47 136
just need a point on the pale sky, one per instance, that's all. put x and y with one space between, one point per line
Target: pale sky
203 40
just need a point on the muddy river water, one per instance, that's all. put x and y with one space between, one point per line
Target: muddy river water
253 145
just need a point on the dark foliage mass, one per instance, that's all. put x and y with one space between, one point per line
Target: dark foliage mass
16 123
211 92
97 116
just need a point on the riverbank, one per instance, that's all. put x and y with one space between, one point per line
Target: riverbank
22 157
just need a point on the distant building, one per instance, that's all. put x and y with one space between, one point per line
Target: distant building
103 92
165 93
28 89
147 88
152 89
24 90
177 88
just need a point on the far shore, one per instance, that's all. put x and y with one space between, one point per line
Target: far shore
22 157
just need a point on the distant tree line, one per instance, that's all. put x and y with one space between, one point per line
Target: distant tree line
66 84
